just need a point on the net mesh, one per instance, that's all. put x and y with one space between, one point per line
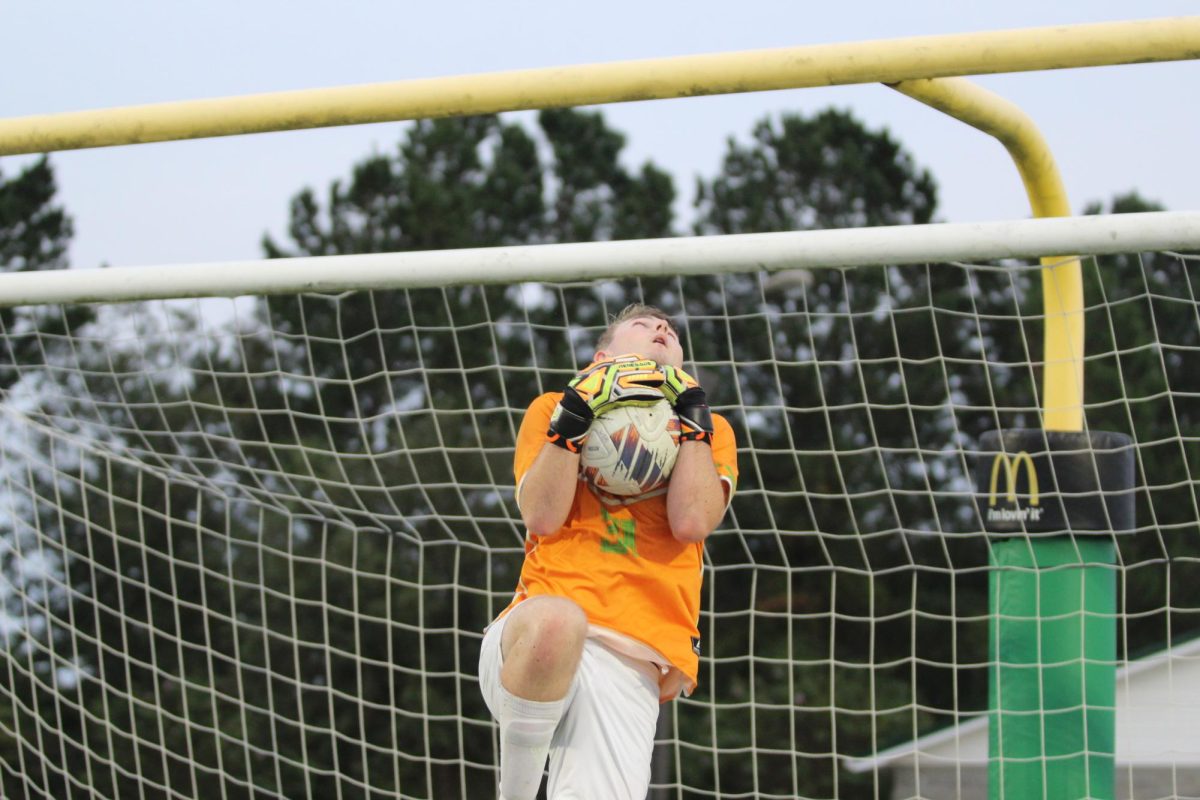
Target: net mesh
251 546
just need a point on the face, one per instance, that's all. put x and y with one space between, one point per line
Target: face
646 336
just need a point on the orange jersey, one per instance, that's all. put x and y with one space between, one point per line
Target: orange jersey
620 563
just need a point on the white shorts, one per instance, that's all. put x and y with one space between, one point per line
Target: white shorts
604 741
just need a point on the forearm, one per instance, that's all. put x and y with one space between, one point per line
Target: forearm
696 495
548 490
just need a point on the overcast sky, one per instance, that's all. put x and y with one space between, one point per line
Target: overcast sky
1112 129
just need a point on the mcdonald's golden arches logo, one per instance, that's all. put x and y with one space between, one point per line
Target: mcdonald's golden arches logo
1010 467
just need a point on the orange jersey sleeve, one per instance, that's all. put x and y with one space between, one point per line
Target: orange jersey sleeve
532 435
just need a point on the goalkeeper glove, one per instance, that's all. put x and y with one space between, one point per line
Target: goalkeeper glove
690 402
628 380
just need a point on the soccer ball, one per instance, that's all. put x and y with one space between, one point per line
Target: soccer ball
631 450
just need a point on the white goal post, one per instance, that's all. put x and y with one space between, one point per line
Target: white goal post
771 252
257 514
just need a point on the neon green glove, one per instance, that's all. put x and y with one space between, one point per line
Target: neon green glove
627 380
690 403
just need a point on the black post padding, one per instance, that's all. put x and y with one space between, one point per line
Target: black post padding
1053 482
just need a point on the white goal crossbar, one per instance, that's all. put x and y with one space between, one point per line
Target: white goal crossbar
960 242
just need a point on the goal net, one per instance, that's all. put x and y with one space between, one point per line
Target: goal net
249 546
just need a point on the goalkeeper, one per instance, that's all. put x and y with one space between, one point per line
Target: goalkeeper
603 625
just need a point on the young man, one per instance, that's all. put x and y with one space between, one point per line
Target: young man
603 625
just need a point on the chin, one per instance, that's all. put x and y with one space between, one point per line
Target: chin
659 354
666 358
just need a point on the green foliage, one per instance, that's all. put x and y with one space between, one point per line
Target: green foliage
824 172
34 235
480 182
272 547
853 529
452 183
357 477
270 522
1142 331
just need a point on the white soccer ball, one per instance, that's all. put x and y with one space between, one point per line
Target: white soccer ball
631 450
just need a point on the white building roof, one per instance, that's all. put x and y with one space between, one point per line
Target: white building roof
1157 721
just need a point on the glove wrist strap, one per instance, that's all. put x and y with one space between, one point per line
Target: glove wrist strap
695 424
570 424
570 445
695 418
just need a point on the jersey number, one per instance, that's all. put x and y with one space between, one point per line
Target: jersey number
622 533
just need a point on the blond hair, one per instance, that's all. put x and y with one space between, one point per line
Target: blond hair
633 311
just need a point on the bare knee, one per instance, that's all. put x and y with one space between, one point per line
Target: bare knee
545 620
542 645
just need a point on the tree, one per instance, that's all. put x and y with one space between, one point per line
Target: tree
479 182
34 235
293 517
1142 333
263 520
833 422
825 172
453 183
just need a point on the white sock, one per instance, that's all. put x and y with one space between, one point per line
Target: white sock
526 727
